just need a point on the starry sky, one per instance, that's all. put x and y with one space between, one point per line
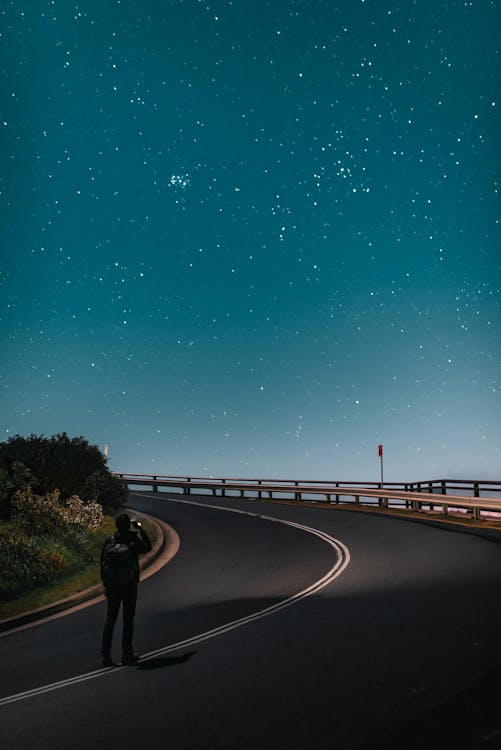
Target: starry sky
254 237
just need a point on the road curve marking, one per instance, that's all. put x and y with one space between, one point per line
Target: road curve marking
342 562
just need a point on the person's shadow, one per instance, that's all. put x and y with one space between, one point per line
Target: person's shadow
157 662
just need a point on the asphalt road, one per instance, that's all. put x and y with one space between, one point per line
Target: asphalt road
398 648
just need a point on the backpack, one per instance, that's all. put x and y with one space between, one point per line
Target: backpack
119 563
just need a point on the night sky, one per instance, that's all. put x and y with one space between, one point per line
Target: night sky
254 238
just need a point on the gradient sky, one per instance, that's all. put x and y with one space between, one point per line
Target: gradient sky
254 238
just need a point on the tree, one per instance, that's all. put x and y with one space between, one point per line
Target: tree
17 477
70 465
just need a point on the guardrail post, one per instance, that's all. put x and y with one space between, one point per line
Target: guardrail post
414 497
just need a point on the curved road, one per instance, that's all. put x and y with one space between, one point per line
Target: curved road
399 648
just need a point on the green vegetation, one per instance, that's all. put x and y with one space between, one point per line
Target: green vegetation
44 539
80 569
70 465
85 574
52 523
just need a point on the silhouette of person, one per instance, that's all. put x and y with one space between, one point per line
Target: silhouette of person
120 577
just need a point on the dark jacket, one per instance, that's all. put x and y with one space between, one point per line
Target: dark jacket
137 544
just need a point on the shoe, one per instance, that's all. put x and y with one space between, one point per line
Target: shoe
108 661
132 657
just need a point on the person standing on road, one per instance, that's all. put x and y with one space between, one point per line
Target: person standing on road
120 576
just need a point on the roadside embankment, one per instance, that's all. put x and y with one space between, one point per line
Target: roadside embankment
164 548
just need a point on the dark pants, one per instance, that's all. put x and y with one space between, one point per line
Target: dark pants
126 595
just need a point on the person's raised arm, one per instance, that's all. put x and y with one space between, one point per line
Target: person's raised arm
144 544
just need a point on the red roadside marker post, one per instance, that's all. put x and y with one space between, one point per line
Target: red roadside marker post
380 452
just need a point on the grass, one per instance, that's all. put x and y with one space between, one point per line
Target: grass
87 576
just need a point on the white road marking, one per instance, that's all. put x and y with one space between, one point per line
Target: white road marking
341 564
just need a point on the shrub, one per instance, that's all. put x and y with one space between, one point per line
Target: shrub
38 514
46 538
17 477
27 562
48 515
86 515
71 465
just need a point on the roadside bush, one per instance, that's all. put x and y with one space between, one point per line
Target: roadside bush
87 516
47 515
27 562
71 465
38 514
45 539
17 477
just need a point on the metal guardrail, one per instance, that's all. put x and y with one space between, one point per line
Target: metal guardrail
396 494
